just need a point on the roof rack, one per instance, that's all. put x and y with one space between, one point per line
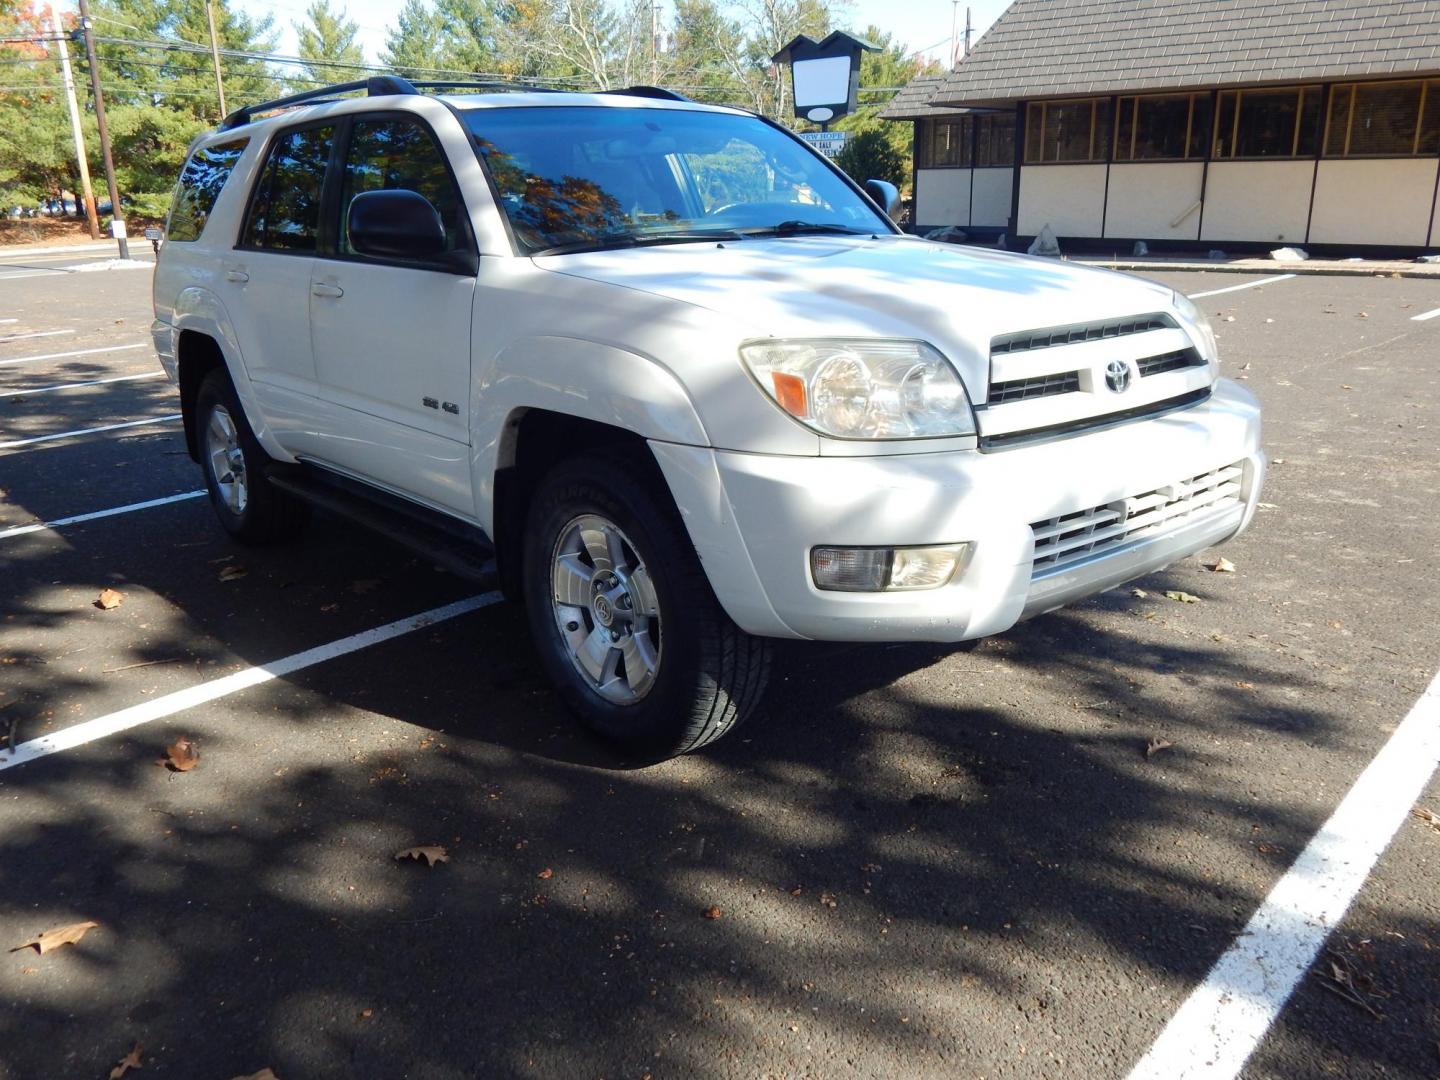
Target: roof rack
482 84
649 92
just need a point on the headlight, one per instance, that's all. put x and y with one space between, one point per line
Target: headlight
863 389
1194 320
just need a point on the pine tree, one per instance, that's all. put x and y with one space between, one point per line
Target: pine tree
413 48
329 34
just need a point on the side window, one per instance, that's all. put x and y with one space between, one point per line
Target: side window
285 211
199 186
398 152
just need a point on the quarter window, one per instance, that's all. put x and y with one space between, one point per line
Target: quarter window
1059 131
399 153
199 186
285 211
1271 123
1391 119
1162 127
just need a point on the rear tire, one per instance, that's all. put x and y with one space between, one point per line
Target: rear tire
250 508
623 617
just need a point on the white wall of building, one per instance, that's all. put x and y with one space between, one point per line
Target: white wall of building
1146 199
990 197
1374 201
1265 201
1068 198
942 197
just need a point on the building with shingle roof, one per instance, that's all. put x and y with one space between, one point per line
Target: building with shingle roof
1235 122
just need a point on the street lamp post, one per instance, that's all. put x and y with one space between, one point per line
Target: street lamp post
824 75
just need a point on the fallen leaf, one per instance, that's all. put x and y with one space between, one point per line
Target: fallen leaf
1155 745
1335 624
183 756
109 599
712 913
53 939
263 1074
1182 597
329 609
1221 566
232 573
1428 816
28 970
1241 684
128 1062
431 853
1346 386
365 1014
1139 594
826 900
546 874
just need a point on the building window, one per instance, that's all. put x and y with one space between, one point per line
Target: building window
1067 130
1162 127
945 144
1390 119
995 140
1281 122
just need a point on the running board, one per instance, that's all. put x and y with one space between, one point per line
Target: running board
453 545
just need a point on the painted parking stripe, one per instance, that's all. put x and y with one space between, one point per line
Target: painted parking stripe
7 322
145 712
1425 316
33 334
75 352
28 273
96 515
86 431
1224 1020
1248 285
73 385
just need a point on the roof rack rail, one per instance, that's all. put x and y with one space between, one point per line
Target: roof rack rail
481 84
658 92
375 86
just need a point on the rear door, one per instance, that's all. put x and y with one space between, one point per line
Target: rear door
391 338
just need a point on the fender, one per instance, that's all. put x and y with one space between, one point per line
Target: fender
577 378
200 310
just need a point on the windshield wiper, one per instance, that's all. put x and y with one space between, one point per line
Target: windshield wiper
797 228
612 241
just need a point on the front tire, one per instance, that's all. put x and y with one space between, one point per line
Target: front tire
623 617
250 508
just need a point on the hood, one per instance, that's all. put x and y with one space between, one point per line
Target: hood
956 298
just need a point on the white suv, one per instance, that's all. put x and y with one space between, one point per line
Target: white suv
682 378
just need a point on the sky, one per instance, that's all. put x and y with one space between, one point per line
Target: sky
923 25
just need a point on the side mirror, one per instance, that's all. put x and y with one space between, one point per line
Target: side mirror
394 224
886 194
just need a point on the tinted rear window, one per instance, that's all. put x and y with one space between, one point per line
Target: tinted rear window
199 186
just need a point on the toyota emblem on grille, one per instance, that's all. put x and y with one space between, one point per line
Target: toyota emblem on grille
1117 376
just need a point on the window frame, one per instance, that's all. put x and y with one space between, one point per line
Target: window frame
1429 96
1299 90
930 126
326 185
1132 102
1101 143
993 117
464 260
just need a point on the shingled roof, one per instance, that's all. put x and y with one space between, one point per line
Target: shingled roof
1058 48
913 100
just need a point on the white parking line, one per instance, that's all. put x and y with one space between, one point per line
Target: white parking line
1426 315
86 431
7 322
76 352
95 515
28 273
1223 1021
1248 285
146 711
33 334
73 385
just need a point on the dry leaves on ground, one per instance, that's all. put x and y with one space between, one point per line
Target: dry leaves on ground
1155 745
712 912
546 874
1428 816
109 599
232 573
430 853
1181 596
183 756
128 1062
1220 566
53 939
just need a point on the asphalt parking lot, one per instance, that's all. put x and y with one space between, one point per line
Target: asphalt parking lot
918 861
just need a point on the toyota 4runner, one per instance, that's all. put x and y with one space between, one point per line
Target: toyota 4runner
677 381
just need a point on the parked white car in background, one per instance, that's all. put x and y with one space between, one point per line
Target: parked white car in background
685 379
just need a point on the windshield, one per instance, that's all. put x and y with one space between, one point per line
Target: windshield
574 178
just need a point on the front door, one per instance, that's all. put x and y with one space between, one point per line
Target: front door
391 338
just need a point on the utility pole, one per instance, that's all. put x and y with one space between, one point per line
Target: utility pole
954 21
117 213
967 31
86 192
215 57
654 42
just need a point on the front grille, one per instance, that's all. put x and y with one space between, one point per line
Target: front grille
1083 534
1051 336
1065 382
1170 361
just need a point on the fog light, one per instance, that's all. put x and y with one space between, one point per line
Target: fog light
838 569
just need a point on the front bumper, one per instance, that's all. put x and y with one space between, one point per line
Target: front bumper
754 519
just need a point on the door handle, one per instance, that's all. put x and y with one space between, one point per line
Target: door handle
319 288
236 275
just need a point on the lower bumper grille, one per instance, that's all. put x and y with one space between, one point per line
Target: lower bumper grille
1084 534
